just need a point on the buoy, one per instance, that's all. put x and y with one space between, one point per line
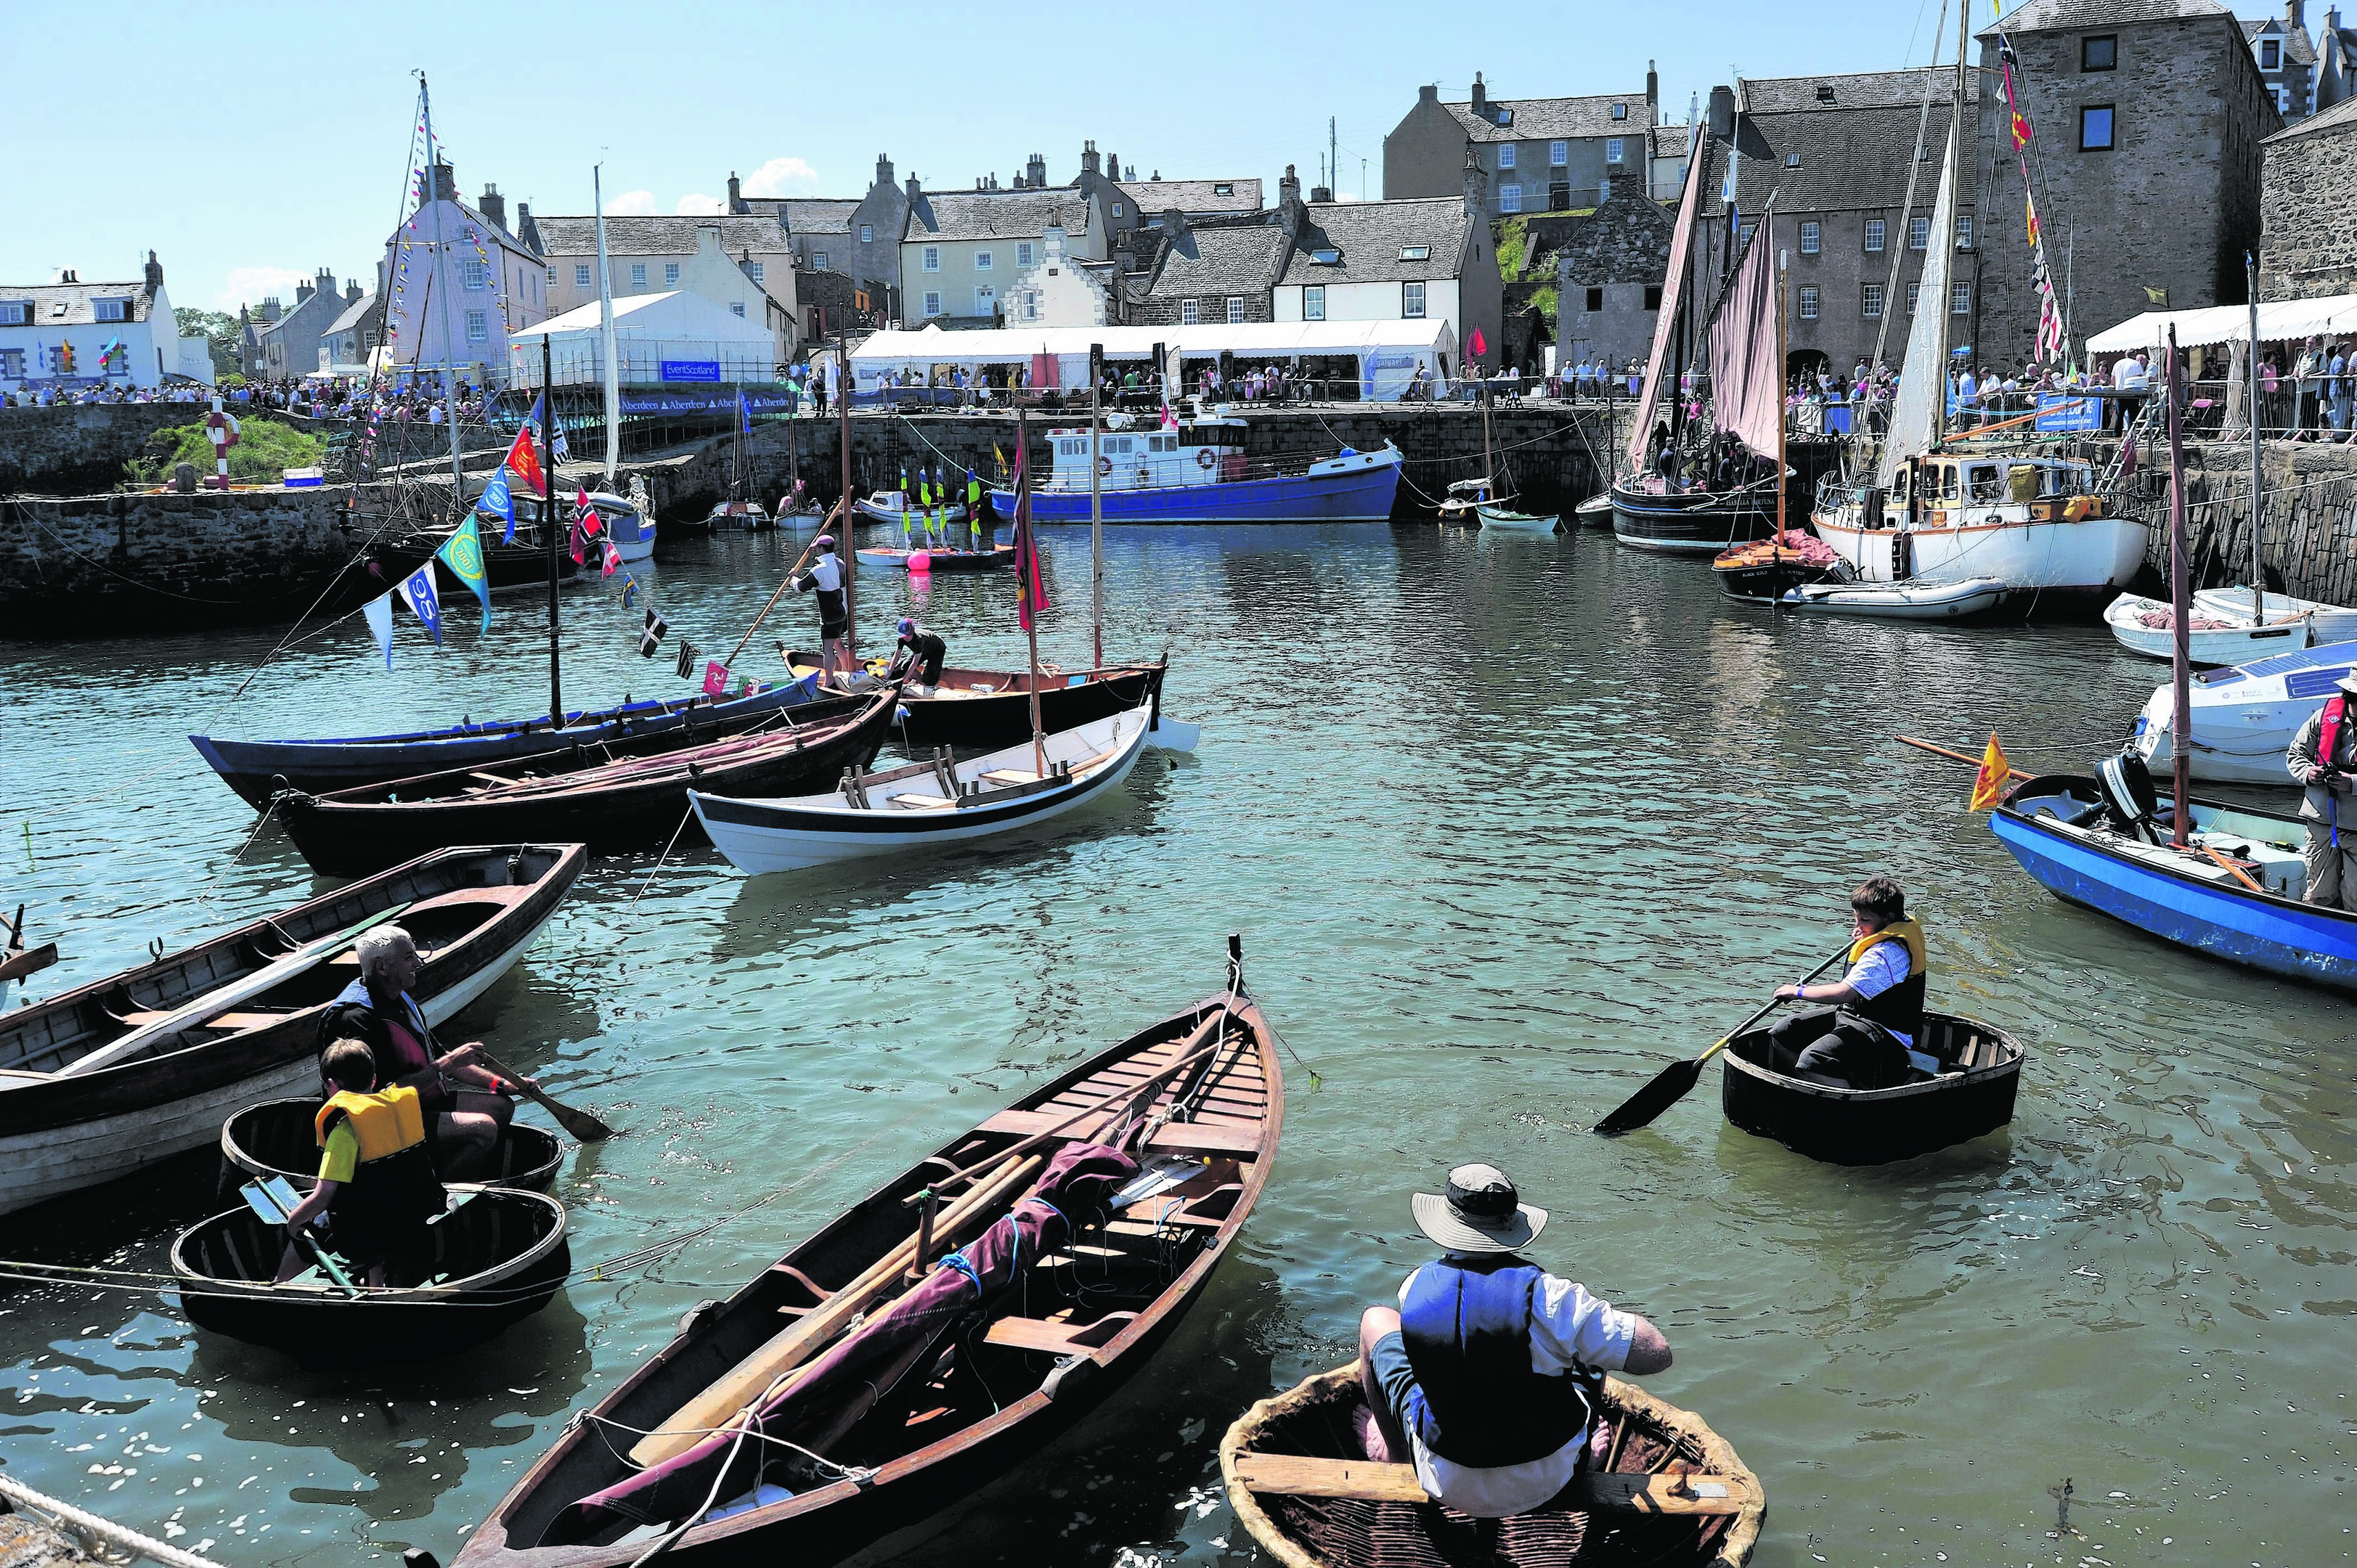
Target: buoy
921 561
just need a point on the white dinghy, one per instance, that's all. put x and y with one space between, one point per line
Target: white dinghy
2325 622
2147 627
1899 601
929 803
2245 714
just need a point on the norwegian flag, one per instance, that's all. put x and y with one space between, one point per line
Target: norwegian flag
586 525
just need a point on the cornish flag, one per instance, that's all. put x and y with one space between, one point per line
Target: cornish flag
650 639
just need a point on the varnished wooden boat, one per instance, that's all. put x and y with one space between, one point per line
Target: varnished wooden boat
1671 1491
987 709
280 1138
471 912
636 800
1973 1093
494 1259
1051 1352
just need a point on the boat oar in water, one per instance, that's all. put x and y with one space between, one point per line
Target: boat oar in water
580 1123
1670 1085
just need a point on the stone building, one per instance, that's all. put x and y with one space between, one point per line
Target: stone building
2307 246
741 265
458 302
2286 56
859 237
2148 116
292 342
960 249
1609 270
1391 261
354 335
2336 61
1537 154
1217 270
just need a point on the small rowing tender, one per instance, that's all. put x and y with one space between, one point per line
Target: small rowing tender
1972 1093
865 1381
986 709
928 558
1670 1491
280 1138
927 804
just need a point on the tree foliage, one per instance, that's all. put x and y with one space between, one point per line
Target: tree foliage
218 329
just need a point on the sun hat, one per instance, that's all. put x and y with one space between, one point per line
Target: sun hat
2348 683
824 541
1481 1212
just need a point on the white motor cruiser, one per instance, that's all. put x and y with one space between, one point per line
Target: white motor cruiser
2244 716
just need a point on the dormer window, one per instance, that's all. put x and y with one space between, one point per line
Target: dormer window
1791 160
2270 54
1326 258
16 313
1224 189
1415 252
1825 92
1505 117
58 311
112 309
1620 111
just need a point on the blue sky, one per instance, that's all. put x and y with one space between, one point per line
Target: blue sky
250 145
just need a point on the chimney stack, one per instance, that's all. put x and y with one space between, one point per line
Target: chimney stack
1722 112
883 170
2296 15
351 291
914 190
303 293
1034 172
446 183
1653 93
736 193
1428 93
1477 183
494 205
1288 202
155 272
1481 97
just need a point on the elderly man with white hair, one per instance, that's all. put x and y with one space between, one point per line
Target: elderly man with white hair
465 1105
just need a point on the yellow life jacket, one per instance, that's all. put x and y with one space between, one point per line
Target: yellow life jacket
1908 931
386 1121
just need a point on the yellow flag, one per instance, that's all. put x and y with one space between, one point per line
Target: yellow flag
1994 774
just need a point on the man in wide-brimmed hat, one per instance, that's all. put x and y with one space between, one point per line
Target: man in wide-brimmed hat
1487 1377
2323 758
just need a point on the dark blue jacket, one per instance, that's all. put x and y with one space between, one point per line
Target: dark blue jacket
1466 1323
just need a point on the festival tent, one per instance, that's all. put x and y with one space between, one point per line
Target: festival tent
1388 354
683 333
2280 321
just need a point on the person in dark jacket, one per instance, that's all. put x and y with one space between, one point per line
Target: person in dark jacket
1867 1041
919 657
465 1105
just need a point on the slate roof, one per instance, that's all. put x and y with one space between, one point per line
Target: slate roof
656 236
1370 235
79 301
354 314
1220 259
1537 119
2338 117
1851 158
994 214
2297 49
2084 16
815 215
1861 90
1191 196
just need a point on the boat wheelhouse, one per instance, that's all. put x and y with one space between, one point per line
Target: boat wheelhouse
1196 471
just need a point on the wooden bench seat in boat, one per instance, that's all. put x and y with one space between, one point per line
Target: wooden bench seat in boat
917 802
1009 776
1186 1137
1057 1338
1299 1475
217 1021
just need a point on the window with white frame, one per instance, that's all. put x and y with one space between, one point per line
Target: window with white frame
982 260
820 262
1744 233
759 270
2270 54
1620 111
1919 233
1604 190
1960 300
12 363
478 327
1875 230
1914 292
637 274
1505 155
1024 253
581 274
867 234
932 303
1612 145
1188 315
1313 302
932 258
1116 209
552 277
1808 305
15 311
1964 231
1558 154
112 309
670 274
1235 308
1412 301
1812 238
1870 306
474 274
1510 199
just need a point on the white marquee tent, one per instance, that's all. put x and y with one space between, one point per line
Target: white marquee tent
2283 320
651 330
1388 354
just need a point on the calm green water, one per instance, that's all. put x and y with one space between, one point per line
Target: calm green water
1506 824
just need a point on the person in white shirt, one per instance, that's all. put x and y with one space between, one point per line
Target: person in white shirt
1488 1377
1867 1041
825 576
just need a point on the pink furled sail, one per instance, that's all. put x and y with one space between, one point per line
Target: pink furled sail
1746 383
1665 324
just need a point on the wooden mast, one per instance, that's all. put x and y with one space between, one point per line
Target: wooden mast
2258 492
1946 239
1783 411
2180 607
548 524
442 266
1027 567
1096 520
849 555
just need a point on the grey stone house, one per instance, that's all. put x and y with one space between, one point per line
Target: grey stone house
2285 56
1538 155
286 342
859 237
2309 243
2149 116
1217 270
353 336
1609 270
2336 61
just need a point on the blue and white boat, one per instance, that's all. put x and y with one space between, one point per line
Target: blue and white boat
257 770
2104 843
1197 473
2244 716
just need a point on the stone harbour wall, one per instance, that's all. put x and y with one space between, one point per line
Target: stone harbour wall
75 450
2307 538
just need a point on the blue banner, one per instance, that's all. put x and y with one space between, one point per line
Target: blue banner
691 369
496 501
758 399
2059 411
417 593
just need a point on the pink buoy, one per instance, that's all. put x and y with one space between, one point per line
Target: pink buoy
920 561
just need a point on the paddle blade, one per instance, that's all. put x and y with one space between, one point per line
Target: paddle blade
1669 1087
582 1124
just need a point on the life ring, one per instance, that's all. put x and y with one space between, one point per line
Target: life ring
1203 458
1104 467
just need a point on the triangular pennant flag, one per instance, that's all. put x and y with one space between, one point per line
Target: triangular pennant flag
1988 785
522 459
650 639
686 658
463 554
715 679
417 592
378 612
499 502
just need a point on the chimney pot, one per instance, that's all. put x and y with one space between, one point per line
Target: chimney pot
1722 112
1428 93
495 205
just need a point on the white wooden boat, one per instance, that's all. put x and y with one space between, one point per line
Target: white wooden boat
471 911
1900 601
1506 519
2149 627
891 506
927 803
2244 716
749 516
2325 622
1596 511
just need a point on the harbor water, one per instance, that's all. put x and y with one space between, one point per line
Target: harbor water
1507 824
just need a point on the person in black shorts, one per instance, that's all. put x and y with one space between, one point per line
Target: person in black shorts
919 657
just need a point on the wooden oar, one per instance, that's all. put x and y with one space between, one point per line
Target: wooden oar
2013 775
191 1014
2240 874
782 584
580 1123
22 962
1670 1085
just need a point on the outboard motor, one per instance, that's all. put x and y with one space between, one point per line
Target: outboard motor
2129 795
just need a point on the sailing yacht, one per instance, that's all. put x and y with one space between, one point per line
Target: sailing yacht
1939 511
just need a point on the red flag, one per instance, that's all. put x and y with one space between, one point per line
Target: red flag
590 521
613 559
525 462
1478 344
1030 592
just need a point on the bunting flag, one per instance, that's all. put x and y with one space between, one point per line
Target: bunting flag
523 459
715 679
613 559
630 591
1030 592
499 502
657 628
417 592
1002 459
686 658
1988 785
463 554
2030 206
379 614
2020 122
744 415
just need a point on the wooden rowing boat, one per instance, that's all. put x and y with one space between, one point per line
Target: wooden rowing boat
1670 1491
986 709
471 912
280 1138
927 805
636 800
1973 1093
899 1434
496 1257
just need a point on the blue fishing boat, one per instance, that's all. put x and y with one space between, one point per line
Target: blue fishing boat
257 770
1197 472
2232 894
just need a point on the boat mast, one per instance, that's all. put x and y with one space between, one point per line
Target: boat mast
2180 608
1096 519
441 260
1946 238
548 521
1488 452
1783 411
1027 565
2258 496
605 323
850 551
